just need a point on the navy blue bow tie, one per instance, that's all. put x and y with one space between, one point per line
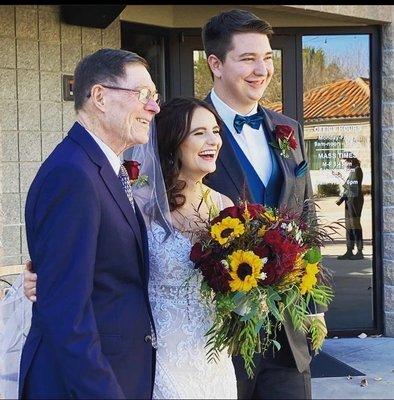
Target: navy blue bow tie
253 121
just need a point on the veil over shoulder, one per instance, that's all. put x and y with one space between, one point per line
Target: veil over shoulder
15 317
151 197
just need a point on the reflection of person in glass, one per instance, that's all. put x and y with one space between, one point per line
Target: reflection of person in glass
354 200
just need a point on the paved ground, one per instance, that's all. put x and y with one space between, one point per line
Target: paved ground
372 356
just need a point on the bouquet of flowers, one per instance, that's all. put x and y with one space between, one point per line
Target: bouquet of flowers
257 265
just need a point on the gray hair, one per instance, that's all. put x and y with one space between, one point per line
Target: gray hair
103 66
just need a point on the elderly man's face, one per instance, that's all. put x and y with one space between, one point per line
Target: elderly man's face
127 116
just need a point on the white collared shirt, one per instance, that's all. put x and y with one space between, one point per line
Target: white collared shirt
112 157
251 141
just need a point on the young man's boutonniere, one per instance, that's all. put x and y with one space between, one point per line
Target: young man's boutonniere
285 138
133 169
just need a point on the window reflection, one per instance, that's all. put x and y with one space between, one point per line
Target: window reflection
337 135
272 97
202 76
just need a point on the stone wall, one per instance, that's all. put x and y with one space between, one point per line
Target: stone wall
388 175
36 50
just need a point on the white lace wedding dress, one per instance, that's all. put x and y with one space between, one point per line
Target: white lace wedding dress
181 319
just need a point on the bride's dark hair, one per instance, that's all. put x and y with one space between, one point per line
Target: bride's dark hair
173 126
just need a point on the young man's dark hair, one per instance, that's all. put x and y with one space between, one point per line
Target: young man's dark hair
218 32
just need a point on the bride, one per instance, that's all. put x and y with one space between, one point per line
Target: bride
188 142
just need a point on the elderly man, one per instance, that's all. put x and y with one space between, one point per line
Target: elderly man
92 333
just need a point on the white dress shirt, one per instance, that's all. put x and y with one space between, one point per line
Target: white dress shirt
252 142
112 157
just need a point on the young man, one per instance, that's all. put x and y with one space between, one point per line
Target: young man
92 328
239 54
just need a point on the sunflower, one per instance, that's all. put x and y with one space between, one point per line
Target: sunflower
245 269
227 229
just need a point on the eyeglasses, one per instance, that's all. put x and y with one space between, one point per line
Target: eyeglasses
144 94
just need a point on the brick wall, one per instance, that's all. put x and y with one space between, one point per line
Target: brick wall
36 49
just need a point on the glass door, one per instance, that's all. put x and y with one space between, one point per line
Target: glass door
337 132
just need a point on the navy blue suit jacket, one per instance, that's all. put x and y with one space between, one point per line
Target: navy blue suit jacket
92 312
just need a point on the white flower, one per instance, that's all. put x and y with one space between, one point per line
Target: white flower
264 260
263 275
263 306
225 263
298 237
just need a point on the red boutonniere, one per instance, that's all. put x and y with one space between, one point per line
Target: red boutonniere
133 169
285 139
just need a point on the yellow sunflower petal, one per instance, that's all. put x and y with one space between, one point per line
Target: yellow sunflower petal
245 269
227 229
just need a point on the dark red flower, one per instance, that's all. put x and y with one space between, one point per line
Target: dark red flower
216 275
132 168
254 209
262 250
282 256
197 254
238 211
286 132
233 212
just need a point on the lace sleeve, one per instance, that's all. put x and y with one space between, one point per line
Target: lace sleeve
15 317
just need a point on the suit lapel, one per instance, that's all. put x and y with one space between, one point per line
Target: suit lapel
286 165
81 136
231 164
229 160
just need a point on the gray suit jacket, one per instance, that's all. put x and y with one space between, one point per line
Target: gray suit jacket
229 179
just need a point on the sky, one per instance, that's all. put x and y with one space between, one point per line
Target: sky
346 47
